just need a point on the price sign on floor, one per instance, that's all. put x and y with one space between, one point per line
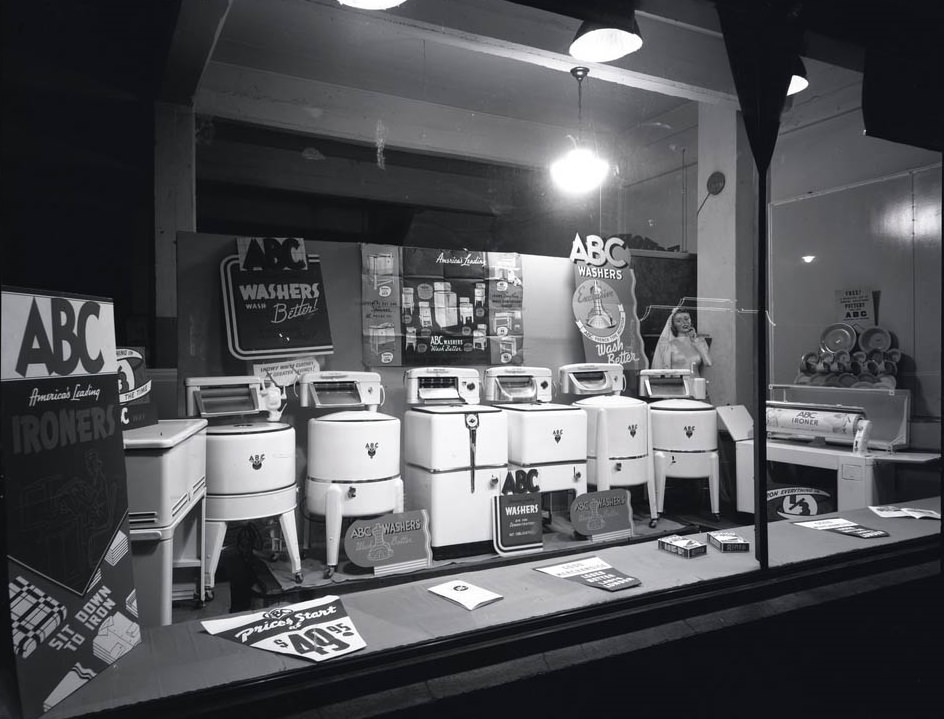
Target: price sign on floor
318 630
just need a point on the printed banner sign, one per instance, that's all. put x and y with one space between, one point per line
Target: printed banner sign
423 306
73 608
517 523
319 629
604 302
843 526
391 543
134 389
274 300
603 515
286 372
856 308
791 502
593 572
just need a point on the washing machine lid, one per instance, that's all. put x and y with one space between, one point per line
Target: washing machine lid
356 416
456 409
248 428
544 407
167 433
609 400
681 405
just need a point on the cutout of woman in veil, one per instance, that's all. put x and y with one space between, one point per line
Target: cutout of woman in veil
679 346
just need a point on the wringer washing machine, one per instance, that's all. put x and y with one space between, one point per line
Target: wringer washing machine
353 456
547 442
250 460
684 430
455 454
618 429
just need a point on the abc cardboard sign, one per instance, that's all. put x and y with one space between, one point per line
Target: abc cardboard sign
73 607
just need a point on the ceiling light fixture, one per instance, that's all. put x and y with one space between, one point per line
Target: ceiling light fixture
372 4
581 169
798 81
603 42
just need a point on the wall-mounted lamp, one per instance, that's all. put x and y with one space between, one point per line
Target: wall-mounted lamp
581 169
603 42
798 81
372 4
808 258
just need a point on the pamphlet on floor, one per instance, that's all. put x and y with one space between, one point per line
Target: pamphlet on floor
593 572
890 510
468 595
844 526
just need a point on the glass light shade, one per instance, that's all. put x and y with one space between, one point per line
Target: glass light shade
596 43
372 4
579 171
798 83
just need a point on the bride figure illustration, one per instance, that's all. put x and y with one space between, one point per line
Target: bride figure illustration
680 346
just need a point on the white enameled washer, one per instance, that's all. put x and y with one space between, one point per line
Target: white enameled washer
546 441
353 455
685 444
455 454
250 462
618 429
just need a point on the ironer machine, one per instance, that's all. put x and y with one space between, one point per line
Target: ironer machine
455 454
548 442
353 454
855 432
250 460
618 429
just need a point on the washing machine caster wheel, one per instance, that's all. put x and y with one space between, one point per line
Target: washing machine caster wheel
298 577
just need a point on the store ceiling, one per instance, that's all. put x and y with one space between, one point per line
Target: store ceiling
481 79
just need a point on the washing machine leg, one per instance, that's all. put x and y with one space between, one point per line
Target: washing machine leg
654 508
398 488
713 482
214 533
332 527
290 535
659 471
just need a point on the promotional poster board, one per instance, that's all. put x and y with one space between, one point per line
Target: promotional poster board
424 306
604 302
274 300
73 608
855 307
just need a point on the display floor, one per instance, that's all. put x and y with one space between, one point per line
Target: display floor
265 579
183 658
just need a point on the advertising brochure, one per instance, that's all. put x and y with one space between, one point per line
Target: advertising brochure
683 546
468 595
844 526
319 629
728 541
890 510
593 572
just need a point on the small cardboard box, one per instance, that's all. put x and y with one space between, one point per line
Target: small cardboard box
728 541
683 546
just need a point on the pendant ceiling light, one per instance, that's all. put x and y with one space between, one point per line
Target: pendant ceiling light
581 169
372 4
603 42
798 81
